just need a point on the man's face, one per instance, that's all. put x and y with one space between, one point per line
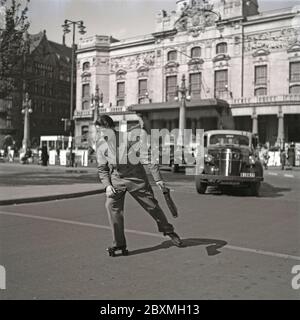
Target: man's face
100 131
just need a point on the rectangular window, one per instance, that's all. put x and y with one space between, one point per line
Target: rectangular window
295 71
261 75
195 85
142 87
121 89
221 82
84 133
85 91
171 87
221 48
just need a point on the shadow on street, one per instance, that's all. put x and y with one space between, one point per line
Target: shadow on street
266 191
212 246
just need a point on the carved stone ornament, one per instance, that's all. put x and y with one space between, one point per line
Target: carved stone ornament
294 48
171 67
221 57
261 52
143 71
221 64
279 39
195 17
85 76
196 61
132 62
121 74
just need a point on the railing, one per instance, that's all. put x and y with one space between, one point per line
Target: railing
266 99
88 113
115 109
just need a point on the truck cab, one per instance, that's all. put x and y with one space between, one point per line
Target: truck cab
230 159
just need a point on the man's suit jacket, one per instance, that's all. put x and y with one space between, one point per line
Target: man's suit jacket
123 174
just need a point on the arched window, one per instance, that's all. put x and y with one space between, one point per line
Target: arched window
196 52
172 55
295 89
221 48
260 92
86 66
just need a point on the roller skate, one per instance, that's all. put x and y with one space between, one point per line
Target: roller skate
175 239
112 251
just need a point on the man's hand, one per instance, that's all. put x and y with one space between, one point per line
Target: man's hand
110 191
161 184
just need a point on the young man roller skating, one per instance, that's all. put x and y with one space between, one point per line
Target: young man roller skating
119 178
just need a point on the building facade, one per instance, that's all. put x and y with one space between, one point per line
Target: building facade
46 78
227 50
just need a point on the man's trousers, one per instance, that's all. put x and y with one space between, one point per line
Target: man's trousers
145 197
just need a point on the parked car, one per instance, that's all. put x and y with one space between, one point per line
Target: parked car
230 159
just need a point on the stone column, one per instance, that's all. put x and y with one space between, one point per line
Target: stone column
254 122
280 133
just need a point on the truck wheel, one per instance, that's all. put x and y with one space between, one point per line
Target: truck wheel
200 186
254 189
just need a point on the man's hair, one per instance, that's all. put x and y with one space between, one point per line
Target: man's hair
105 121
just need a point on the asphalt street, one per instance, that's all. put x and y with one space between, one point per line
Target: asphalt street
236 247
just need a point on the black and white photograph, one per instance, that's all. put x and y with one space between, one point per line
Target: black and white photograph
149 152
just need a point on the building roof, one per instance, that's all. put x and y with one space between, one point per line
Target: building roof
61 49
35 40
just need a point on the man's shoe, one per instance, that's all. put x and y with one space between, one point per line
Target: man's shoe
112 251
175 239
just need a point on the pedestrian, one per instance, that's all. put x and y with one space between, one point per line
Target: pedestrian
266 157
282 158
44 156
291 154
27 158
118 178
11 153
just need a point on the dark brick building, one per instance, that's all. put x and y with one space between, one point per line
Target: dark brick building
47 81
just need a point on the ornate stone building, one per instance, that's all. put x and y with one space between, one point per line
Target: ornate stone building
228 52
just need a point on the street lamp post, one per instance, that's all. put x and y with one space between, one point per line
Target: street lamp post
96 102
26 110
66 29
185 96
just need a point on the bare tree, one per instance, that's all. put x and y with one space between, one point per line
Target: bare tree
13 43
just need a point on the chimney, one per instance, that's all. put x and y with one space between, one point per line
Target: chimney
64 40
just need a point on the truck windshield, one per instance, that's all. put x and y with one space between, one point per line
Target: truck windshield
232 139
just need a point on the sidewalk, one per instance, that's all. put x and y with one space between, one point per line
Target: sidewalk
32 183
276 171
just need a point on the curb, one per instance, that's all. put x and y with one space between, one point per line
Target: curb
281 175
51 197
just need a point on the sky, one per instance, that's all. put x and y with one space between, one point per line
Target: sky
118 18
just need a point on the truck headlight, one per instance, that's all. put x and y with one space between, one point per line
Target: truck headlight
208 158
236 156
251 160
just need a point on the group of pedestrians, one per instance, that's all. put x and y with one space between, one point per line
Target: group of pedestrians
287 156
